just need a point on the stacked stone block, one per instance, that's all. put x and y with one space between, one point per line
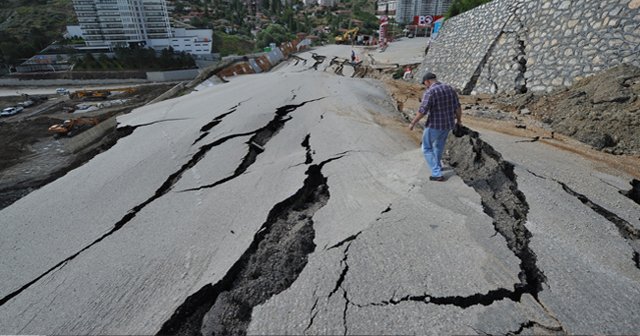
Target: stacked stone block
464 41
535 45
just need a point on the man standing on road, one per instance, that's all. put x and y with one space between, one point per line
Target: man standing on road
441 105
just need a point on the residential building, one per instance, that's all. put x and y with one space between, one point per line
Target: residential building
403 11
434 7
387 7
122 22
192 41
327 3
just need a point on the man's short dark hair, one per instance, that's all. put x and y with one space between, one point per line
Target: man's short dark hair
428 75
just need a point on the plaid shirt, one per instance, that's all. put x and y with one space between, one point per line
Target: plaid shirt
439 103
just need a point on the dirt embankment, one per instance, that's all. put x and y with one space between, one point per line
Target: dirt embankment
602 110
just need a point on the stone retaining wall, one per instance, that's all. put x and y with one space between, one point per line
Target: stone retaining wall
534 45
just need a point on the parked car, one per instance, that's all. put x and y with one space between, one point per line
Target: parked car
9 111
26 103
62 91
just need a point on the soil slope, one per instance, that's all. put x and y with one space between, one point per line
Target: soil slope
602 111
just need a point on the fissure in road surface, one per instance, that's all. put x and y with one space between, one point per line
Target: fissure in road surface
258 141
169 183
271 264
204 130
482 168
131 214
626 229
634 192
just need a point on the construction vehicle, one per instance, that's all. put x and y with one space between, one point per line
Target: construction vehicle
347 36
127 90
90 94
71 127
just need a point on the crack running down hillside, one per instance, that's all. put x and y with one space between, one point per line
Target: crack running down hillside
263 134
626 229
258 141
482 168
270 264
206 128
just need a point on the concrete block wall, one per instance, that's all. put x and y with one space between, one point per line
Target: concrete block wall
171 76
534 45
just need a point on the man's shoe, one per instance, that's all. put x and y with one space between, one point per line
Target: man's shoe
436 178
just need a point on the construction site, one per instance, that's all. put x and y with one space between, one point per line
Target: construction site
46 139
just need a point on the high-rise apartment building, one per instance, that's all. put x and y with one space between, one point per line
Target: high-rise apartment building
404 10
122 22
434 7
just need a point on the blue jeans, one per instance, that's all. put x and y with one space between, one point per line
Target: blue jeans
433 141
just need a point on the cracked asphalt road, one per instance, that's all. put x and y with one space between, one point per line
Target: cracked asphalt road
296 202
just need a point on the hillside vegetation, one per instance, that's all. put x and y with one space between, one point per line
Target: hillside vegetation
27 26
461 6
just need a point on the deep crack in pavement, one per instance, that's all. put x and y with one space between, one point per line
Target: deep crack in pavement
272 262
204 131
207 127
634 192
260 135
482 168
626 229
258 141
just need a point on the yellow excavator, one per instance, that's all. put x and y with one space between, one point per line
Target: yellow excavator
347 36
90 94
71 127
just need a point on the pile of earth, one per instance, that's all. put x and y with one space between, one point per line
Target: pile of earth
602 110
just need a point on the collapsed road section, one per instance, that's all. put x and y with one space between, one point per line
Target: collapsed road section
273 261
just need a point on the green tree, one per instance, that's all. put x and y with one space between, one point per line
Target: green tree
274 33
461 6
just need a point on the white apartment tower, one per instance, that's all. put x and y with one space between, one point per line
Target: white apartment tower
404 10
434 7
122 22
